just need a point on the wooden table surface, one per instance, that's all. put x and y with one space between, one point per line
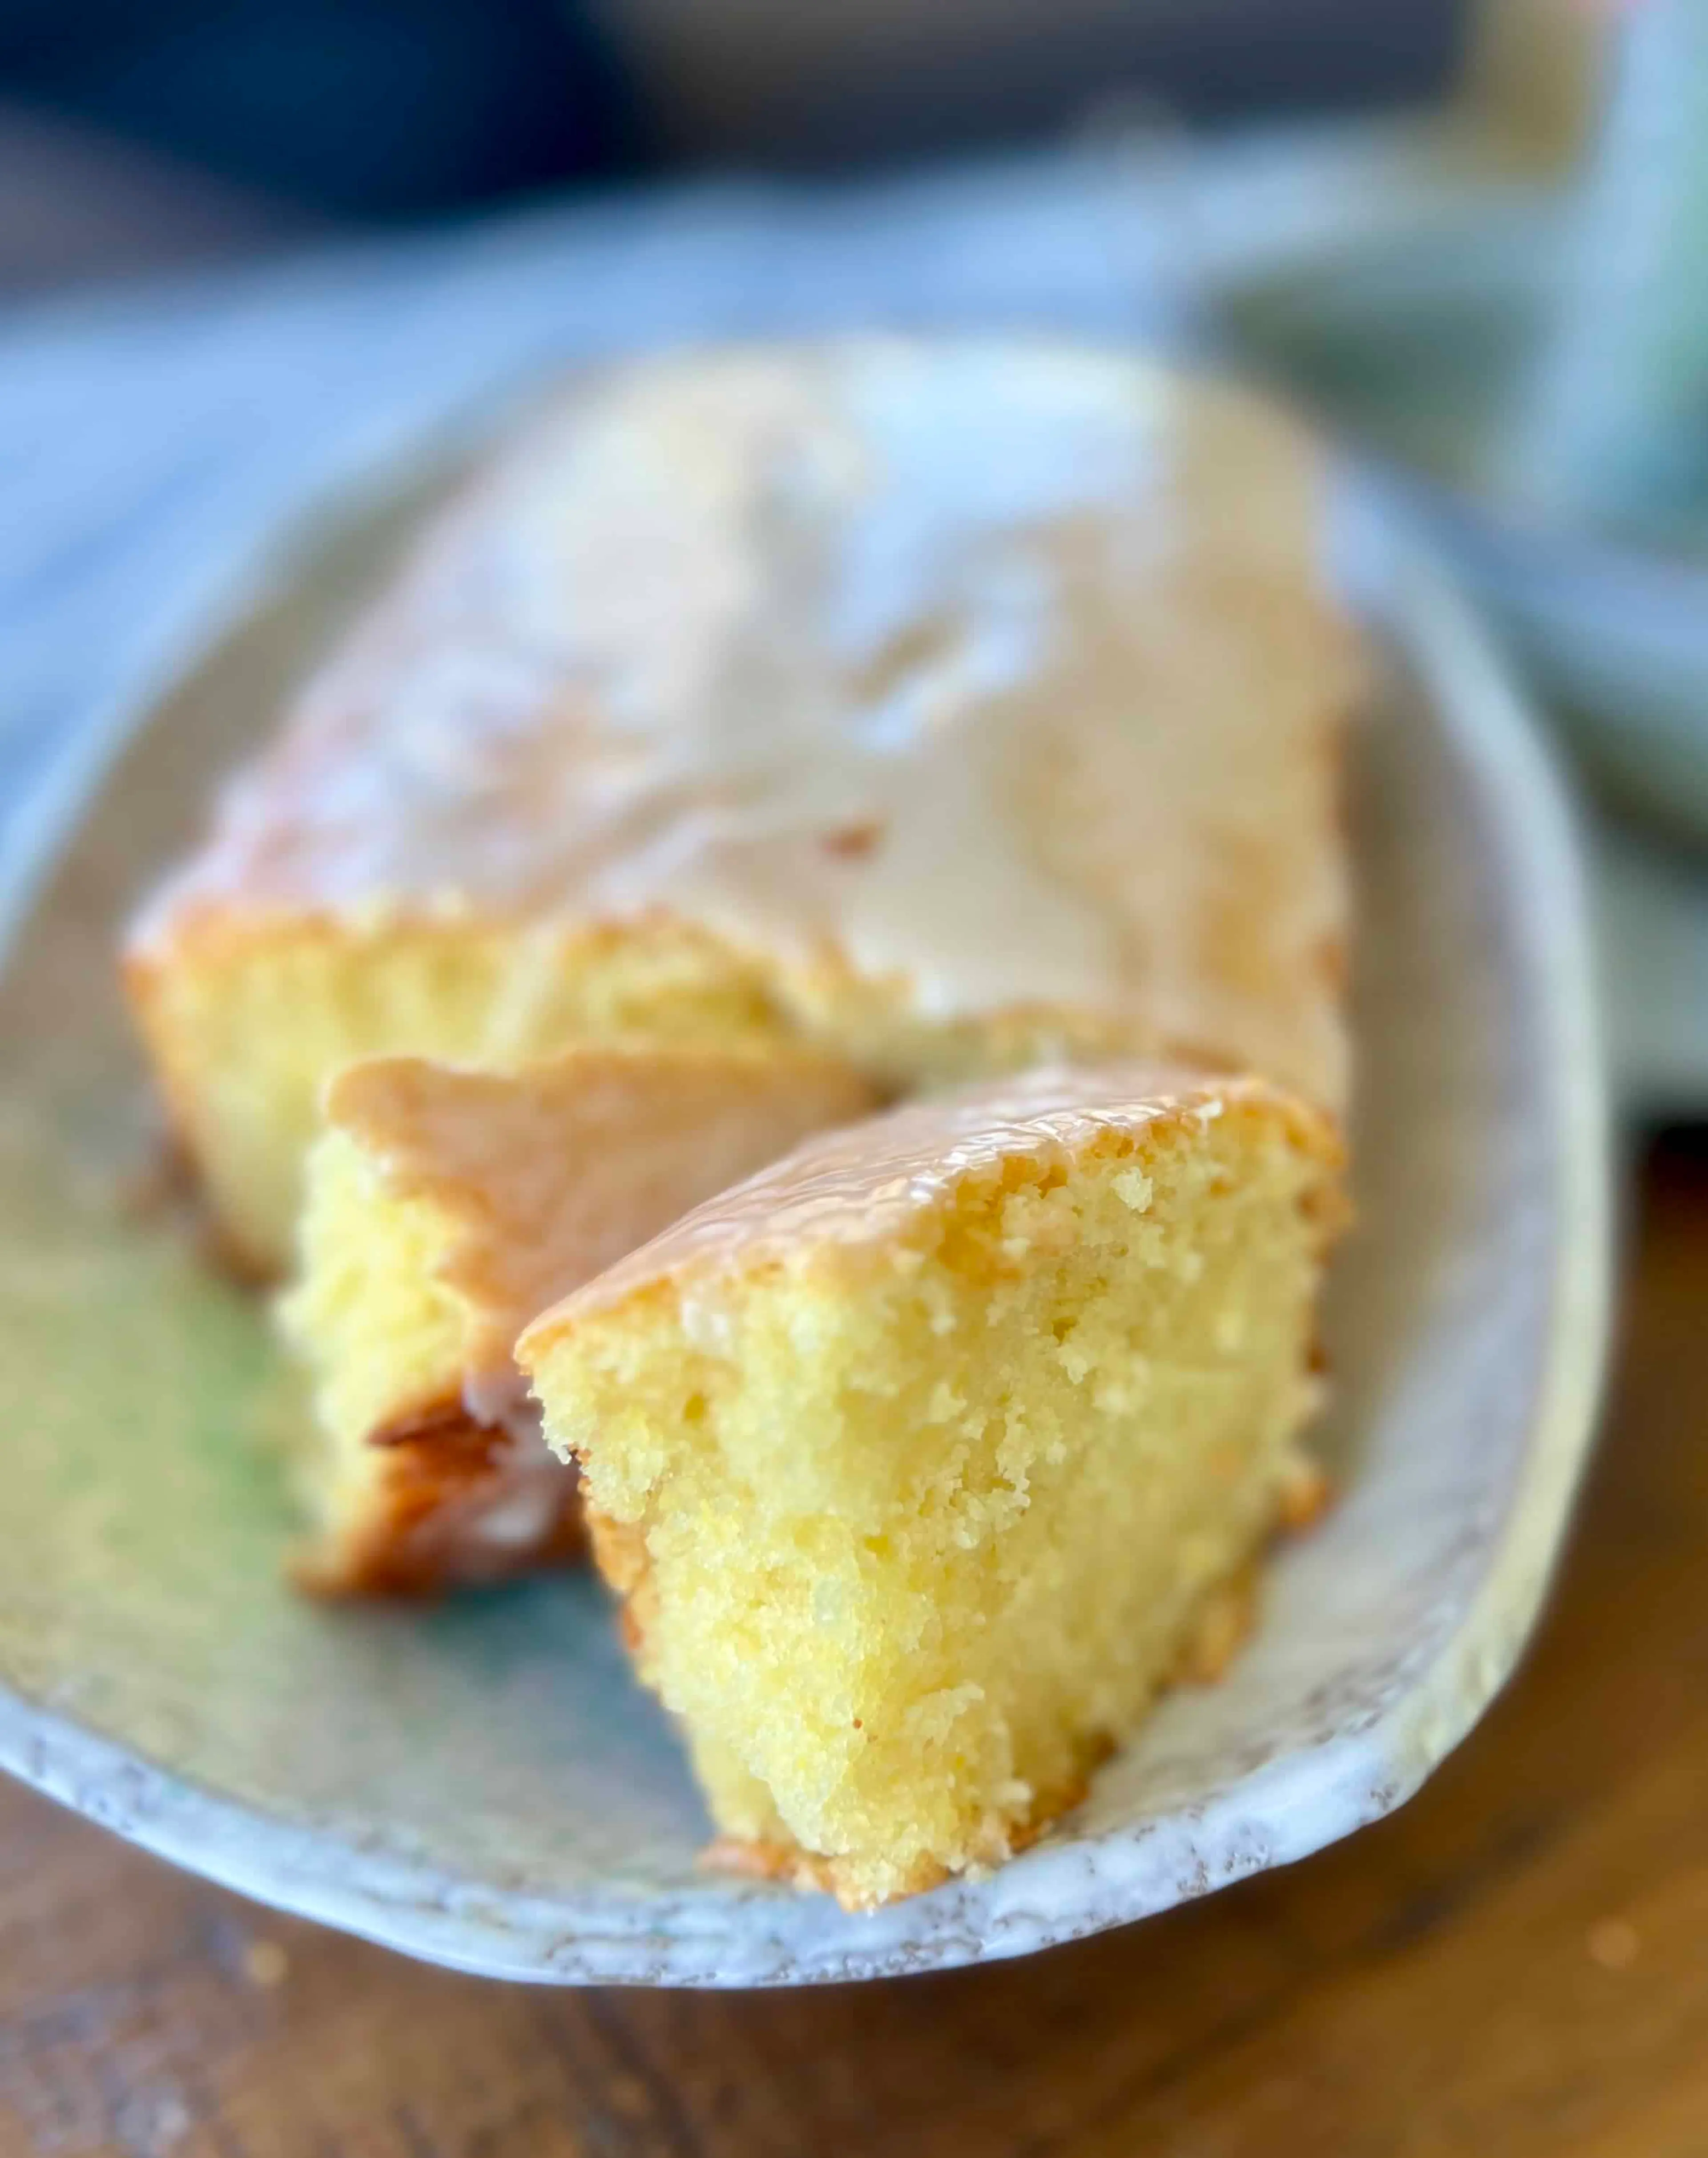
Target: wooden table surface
1515 1963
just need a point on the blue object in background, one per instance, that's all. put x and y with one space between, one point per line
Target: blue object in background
364 110
352 108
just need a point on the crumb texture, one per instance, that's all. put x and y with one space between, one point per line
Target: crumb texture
920 1476
446 1207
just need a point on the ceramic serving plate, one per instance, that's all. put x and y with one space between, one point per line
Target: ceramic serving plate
481 1782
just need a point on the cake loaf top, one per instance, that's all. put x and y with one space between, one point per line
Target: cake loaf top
1005 671
869 1185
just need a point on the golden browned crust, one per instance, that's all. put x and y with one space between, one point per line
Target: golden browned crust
426 1530
770 1858
760 1858
619 1550
1305 1496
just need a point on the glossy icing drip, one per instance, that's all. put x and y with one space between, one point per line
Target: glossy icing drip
870 1183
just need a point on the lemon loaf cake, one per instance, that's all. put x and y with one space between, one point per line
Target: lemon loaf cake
445 1209
949 705
919 1457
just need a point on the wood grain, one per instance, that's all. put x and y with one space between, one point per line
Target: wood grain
1517 1963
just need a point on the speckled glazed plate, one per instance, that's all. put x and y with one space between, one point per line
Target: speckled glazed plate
482 1783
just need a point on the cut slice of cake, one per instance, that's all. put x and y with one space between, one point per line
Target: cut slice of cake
949 705
446 1208
919 1457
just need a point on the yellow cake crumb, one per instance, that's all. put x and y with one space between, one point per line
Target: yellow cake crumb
905 1581
445 1208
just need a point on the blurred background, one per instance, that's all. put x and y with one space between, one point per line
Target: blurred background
135 133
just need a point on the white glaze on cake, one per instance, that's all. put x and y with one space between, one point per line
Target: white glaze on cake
538 1180
1003 672
868 1185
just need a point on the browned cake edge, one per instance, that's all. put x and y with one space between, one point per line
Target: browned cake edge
445 1475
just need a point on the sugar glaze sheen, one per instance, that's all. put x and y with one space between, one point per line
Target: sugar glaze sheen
856 648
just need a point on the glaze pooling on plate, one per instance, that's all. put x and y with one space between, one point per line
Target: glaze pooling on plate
155 1673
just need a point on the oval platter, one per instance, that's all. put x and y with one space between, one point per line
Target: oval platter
480 1784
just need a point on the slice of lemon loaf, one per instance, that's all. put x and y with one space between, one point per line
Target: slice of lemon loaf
445 1209
919 1457
949 705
